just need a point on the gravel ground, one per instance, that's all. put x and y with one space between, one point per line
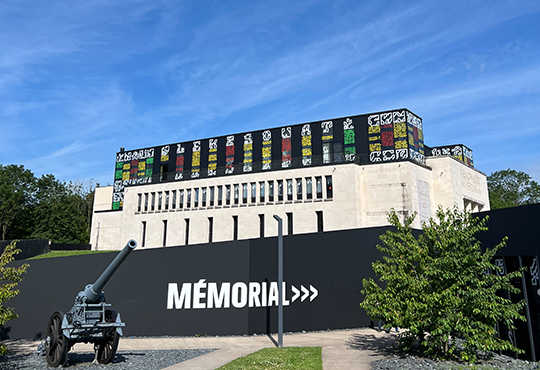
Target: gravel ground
140 360
411 362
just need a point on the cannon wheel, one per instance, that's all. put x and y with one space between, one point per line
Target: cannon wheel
107 348
58 346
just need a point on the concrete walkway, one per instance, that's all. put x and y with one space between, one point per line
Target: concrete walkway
346 349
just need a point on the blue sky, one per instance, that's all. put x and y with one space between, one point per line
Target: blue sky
79 80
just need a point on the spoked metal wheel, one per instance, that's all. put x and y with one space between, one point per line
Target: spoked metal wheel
58 346
107 348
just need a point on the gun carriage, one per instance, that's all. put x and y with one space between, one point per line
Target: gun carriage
90 320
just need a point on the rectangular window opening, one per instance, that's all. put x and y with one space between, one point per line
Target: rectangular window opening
181 204
235 227
309 188
236 193
188 200
220 195
143 238
153 202
173 200
261 191
253 192
289 189
289 223
210 229
146 202
167 199
204 197
196 201
270 191
261 226
164 233
280 190
329 191
244 193
212 195
139 202
318 184
186 242
227 194
320 227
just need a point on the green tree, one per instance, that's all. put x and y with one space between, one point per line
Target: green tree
17 185
9 278
511 188
62 212
439 286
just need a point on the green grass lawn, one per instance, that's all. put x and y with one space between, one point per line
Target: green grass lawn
53 254
279 358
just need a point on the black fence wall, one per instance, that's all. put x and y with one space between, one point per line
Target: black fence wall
29 247
331 264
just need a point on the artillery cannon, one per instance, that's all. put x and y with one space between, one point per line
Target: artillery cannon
90 320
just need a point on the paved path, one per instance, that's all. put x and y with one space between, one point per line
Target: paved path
346 349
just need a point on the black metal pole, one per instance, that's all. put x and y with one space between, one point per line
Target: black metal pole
280 280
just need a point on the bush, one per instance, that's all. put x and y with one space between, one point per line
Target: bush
9 278
440 287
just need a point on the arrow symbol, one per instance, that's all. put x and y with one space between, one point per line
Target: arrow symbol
296 293
305 291
314 291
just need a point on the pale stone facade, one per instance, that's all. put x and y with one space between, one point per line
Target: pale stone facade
360 196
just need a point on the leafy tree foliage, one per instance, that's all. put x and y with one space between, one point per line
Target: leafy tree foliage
43 208
439 286
9 278
511 188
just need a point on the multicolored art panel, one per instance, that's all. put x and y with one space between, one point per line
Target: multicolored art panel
372 138
267 150
132 168
179 170
460 152
306 145
248 153
229 155
349 140
286 150
196 160
212 157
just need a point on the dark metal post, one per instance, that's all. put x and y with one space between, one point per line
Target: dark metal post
280 280
527 312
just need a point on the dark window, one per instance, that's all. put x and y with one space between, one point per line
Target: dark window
160 200
164 232
196 202
289 223
173 202
212 195
309 188
270 191
227 194
181 204
298 189
163 172
153 203
244 193
139 202
146 202
253 192
289 189
235 227
236 193
320 228
329 192
261 226
318 184
187 231
261 190
167 200
220 195
204 197
280 190
327 152
338 152
210 229
143 244
188 201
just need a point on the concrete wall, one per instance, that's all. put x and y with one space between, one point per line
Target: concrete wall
362 196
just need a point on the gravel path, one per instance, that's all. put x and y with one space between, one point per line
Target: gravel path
411 362
124 360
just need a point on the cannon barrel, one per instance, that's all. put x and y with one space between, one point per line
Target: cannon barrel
93 292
